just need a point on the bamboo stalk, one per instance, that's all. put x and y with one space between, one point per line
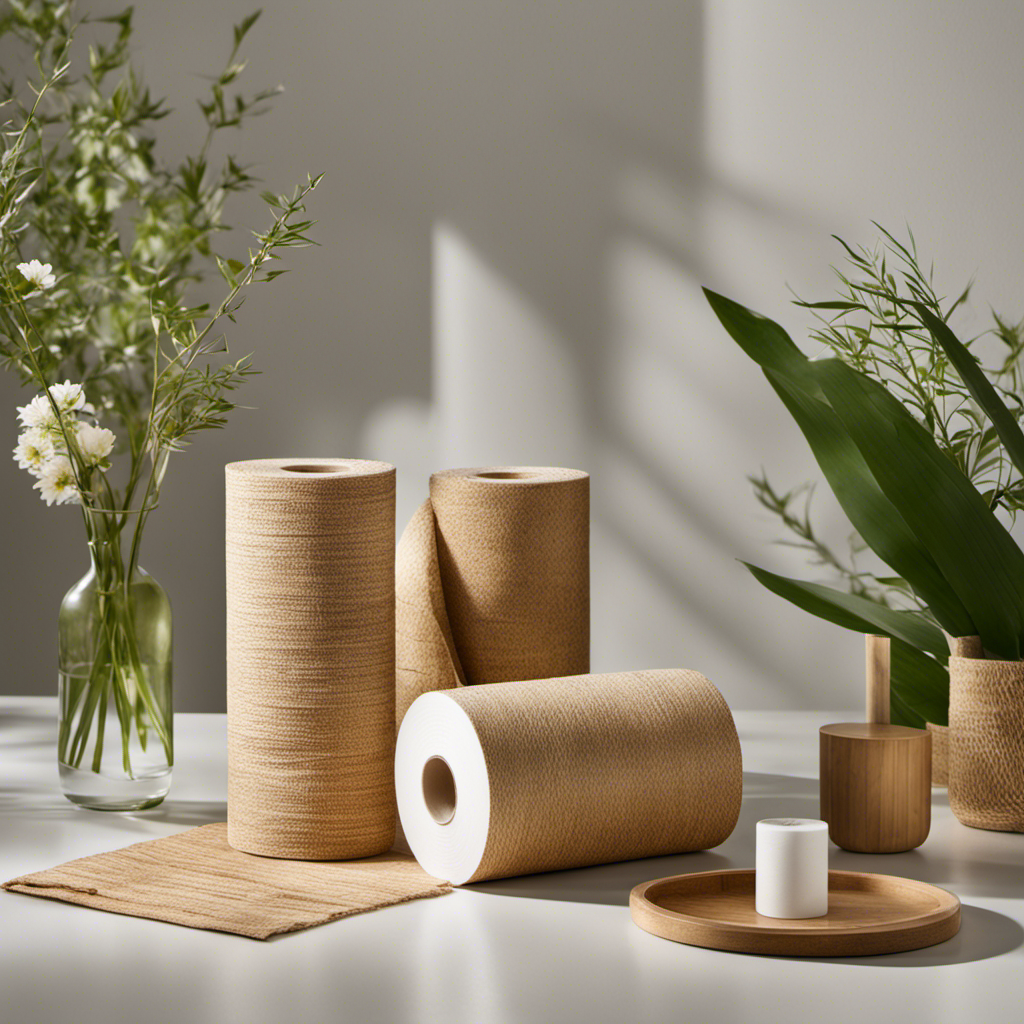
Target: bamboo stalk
877 661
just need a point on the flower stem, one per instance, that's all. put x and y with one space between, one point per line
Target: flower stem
101 723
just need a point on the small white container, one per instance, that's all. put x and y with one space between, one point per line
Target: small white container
791 867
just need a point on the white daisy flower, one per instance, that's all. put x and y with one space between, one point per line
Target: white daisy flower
69 397
38 274
56 483
38 413
33 451
96 443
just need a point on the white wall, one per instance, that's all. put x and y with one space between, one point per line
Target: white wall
598 162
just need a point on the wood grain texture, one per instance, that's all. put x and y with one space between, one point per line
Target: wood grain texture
876 786
876 665
867 915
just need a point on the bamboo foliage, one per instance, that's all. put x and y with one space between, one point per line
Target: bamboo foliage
923 449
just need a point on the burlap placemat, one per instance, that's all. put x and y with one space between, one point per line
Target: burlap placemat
194 878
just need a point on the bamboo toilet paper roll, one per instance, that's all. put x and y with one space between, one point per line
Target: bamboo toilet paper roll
519 777
310 657
493 580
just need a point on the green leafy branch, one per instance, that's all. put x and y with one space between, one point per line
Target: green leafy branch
187 397
876 327
128 236
884 417
793 509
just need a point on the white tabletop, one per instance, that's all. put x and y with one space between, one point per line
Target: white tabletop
547 948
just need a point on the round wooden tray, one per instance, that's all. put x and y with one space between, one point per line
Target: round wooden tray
867 915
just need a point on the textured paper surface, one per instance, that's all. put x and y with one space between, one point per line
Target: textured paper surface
311 657
194 878
564 773
493 580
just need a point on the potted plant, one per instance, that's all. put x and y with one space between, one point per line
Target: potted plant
101 244
923 449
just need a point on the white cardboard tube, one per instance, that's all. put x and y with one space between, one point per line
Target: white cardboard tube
791 878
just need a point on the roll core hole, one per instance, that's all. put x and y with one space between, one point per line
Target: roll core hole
315 469
439 793
507 476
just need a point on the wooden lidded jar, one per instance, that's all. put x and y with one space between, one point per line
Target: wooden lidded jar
876 790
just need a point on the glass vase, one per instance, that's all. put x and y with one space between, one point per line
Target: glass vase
115 744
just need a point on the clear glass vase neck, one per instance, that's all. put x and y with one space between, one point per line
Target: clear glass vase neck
113 534
113 539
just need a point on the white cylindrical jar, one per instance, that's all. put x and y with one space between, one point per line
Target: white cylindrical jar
791 868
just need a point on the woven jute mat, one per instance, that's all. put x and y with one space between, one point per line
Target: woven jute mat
194 878
493 580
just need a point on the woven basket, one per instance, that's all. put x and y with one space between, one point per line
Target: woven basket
986 743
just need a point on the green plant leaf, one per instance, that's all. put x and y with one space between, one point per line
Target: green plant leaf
872 514
853 612
978 384
919 682
764 341
900 713
973 550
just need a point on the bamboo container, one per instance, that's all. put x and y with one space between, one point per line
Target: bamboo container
876 777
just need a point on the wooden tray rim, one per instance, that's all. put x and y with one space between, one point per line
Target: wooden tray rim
948 908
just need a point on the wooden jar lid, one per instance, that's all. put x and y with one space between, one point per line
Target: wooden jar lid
875 731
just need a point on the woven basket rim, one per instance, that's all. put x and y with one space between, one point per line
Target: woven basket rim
987 661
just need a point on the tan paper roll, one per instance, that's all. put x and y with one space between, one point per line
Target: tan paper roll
493 580
514 778
310 657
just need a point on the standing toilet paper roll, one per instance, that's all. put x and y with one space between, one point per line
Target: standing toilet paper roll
310 657
493 580
519 777
791 870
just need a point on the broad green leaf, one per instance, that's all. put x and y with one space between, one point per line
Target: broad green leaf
853 612
973 550
978 384
900 713
919 682
872 514
764 341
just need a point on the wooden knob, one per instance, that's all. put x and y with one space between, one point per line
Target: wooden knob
876 790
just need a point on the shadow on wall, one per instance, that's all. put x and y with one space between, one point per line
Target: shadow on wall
569 328
567 147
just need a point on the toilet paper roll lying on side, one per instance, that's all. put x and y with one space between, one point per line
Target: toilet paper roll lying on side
493 580
514 778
